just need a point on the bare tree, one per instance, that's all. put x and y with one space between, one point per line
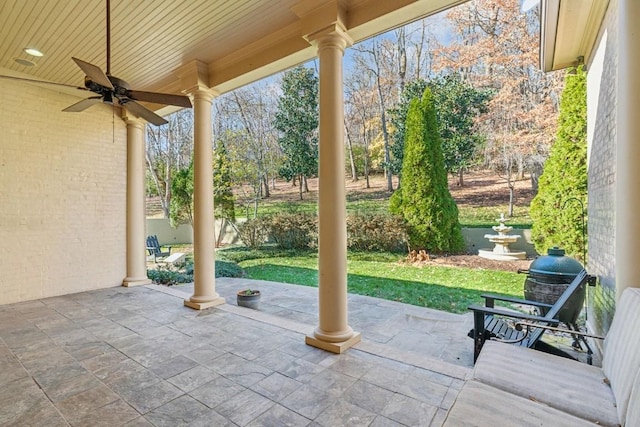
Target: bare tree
361 114
352 161
375 59
169 149
244 121
496 47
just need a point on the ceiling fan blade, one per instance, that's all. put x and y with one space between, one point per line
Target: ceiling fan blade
83 105
145 113
41 82
94 73
160 98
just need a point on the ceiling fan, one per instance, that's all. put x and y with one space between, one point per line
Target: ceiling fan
115 91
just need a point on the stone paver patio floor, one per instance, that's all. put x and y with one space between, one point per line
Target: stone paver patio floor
137 356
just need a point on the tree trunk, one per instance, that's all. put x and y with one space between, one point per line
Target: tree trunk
166 200
520 168
223 226
366 169
461 178
265 184
511 197
354 173
300 186
535 176
387 154
306 184
383 120
402 58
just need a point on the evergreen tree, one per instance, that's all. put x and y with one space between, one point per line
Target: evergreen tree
297 122
181 204
457 105
398 118
557 217
223 199
424 200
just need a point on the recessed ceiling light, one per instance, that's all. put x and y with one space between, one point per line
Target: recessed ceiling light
25 62
33 52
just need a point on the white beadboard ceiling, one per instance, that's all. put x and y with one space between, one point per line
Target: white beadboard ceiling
239 40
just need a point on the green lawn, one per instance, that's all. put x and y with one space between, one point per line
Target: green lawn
384 276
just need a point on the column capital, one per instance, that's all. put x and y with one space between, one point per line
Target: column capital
200 92
132 120
334 35
194 77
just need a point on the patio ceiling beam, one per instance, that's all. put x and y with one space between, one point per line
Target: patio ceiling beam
568 31
288 46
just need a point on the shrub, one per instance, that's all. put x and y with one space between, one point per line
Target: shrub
228 269
164 275
297 230
557 219
381 233
423 198
170 275
254 232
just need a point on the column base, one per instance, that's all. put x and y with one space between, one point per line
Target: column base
204 304
333 347
136 281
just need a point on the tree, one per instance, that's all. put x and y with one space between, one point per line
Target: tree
380 56
168 150
181 207
424 200
496 47
361 118
297 122
398 119
458 104
182 190
244 124
557 220
223 200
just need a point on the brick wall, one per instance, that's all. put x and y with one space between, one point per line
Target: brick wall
62 195
601 81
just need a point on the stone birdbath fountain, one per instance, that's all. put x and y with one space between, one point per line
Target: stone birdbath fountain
502 240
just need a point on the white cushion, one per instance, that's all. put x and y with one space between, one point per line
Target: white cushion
633 411
480 405
621 360
564 384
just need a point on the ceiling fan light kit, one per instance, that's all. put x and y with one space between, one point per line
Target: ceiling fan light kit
33 52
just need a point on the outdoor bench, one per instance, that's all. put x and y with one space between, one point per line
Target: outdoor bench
524 387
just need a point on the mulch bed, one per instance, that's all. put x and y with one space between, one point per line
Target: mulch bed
469 261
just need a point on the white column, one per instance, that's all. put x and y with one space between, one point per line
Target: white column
204 293
627 196
136 242
333 332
